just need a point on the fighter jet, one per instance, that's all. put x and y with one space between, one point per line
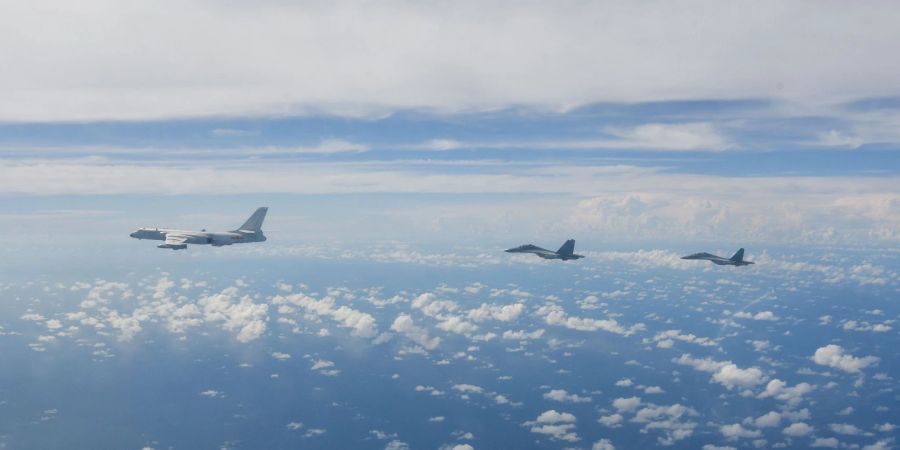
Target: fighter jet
565 253
736 260
250 231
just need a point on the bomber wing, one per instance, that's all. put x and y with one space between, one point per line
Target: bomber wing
175 242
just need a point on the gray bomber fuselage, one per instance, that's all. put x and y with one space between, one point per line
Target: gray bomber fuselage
250 231
214 238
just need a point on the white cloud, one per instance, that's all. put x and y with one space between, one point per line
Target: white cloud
769 419
248 319
555 315
324 367
797 429
553 416
626 404
671 420
468 388
281 356
429 304
503 313
833 356
735 431
725 373
612 420
844 428
396 445
558 425
560 395
522 335
678 335
658 136
763 315
404 324
781 391
362 324
825 443
603 444
457 447
429 58
732 376
455 324
884 444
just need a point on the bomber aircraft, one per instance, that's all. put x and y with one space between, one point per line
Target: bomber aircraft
736 260
565 253
250 231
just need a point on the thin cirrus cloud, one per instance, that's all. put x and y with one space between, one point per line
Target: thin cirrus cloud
695 136
101 60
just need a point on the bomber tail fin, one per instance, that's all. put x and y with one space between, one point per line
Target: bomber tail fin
254 223
568 248
739 256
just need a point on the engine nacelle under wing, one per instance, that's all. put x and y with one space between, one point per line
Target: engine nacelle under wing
173 246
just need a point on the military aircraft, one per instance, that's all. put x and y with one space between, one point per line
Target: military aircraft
736 260
565 253
250 231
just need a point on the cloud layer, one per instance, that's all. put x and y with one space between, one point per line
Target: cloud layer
104 60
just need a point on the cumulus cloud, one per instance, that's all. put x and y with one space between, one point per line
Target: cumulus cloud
763 315
555 315
844 428
781 391
468 388
797 429
825 443
557 425
521 335
239 315
669 335
455 324
736 431
724 372
833 356
626 404
362 324
560 395
404 324
732 376
672 420
612 420
503 313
